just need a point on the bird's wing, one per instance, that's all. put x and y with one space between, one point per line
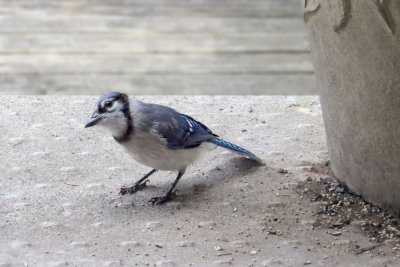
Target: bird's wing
193 133
176 130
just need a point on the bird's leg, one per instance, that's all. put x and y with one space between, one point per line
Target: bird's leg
139 185
170 194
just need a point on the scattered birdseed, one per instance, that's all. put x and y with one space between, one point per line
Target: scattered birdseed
280 170
336 233
339 207
218 248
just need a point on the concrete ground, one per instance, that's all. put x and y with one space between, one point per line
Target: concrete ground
59 190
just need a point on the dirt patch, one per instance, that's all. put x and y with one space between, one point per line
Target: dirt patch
339 207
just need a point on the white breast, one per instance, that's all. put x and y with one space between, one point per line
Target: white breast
148 150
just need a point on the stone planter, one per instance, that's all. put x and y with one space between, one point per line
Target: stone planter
355 47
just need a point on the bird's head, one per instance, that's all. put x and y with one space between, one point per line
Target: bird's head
112 112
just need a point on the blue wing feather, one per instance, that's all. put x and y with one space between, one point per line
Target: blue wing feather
191 133
177 130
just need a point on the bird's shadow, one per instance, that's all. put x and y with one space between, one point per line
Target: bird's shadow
230 169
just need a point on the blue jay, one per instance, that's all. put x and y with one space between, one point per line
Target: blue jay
156 136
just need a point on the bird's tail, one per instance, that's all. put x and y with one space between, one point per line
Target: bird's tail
235 148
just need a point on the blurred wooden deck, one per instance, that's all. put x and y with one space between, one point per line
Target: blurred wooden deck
154 47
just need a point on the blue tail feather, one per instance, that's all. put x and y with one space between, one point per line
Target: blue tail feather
233 147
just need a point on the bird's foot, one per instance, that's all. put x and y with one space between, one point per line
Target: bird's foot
162 200
132 189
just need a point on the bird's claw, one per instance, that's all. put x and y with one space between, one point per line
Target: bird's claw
163 199
132 189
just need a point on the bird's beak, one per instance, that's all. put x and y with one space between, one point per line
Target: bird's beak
96 117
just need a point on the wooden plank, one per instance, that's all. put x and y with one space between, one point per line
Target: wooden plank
40 22
156 43
157 63
154 47
207 8
283 84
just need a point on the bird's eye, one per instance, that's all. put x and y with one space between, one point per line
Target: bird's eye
108 104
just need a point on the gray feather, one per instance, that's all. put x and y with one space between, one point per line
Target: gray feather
178 131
